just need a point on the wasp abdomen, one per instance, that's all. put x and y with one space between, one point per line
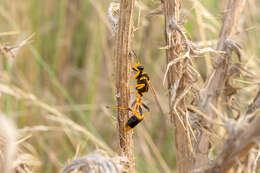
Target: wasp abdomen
132 122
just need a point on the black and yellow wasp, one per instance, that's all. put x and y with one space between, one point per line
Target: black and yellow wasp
142 87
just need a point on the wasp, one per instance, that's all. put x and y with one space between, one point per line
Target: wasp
143 84
142 87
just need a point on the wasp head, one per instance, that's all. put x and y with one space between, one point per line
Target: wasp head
138 68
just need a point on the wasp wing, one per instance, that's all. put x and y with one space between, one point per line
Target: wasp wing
155 97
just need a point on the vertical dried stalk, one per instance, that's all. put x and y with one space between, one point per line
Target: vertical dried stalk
218 77
176 83
123 39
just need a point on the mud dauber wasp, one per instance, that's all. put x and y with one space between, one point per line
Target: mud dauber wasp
142 86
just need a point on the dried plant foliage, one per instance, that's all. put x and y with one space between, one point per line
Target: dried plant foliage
11 52
198 120
181 76
212 133
98 161
12 157
242 138
7 145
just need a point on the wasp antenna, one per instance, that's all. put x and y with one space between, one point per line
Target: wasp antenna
133 52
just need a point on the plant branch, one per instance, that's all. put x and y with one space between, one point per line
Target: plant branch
123 39
178 84
255 104
216 81
236 146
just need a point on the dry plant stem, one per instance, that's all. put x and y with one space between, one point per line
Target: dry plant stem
250 115
255 104
123 39
236 146
216 80
173 41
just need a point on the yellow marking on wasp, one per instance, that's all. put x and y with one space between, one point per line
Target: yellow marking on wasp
143 78
139 86
137 114
127 128
137 74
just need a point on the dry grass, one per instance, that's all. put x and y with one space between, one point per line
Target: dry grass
55 86
14 155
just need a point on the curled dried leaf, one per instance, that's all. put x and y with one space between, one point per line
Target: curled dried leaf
234 46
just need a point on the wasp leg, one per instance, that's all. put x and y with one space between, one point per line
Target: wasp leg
140 110
145 106
121 108
143 117
138 101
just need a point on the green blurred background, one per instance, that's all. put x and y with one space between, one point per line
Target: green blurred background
69 67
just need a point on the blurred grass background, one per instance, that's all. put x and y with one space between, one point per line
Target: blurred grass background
69 69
